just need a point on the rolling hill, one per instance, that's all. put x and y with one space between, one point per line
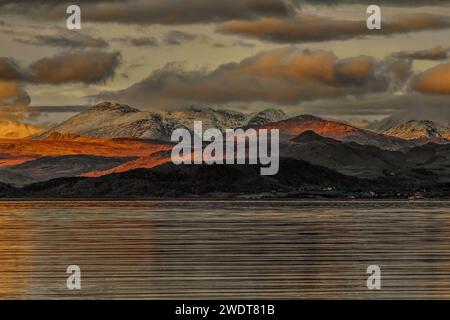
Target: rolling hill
197 180
348 158
295 126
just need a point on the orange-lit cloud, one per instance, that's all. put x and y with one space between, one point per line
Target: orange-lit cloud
81 66
283 76
85 66
14 101
381 2
356 69
12 94
17 130
156 11
437 53
312 28
9 70
434 81
8 90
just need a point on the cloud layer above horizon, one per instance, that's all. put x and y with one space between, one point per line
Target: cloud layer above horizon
312 28
168 12
282 76
165 54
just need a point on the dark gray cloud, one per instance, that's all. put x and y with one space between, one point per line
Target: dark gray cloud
157 11
10 70
149 41
422 107
410 106
129 68
321 2
312 28
413 3
79 66
87 66
236 43
67 39
437 53
242 43
284 76
14 102
50 2
176 37
13 94
414 106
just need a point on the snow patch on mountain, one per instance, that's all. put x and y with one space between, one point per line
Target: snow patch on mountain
113 120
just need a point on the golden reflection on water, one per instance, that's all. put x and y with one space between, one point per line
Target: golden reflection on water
15 250
224 249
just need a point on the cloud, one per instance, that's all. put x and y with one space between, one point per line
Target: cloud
242 43
87 66
14 101
283 76
17 130
176 38
381 2
418 106
236 43
10 70
13 94
377 105
8 90
82 66
313 28
434 81
13 97
437 53
139 42
157 11
67 39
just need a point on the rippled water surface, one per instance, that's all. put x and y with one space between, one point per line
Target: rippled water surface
232 250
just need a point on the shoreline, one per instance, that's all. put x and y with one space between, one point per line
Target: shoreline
237 200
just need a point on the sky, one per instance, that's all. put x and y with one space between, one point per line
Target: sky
315 57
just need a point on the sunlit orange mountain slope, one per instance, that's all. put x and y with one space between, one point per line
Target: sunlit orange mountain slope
148 153
295 126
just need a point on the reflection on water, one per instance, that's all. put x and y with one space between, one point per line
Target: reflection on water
225 249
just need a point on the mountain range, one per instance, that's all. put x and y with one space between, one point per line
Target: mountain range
112 120
116 150
417 130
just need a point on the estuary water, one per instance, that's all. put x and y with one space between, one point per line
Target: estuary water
224 250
